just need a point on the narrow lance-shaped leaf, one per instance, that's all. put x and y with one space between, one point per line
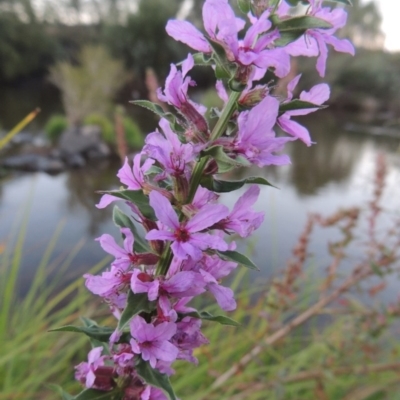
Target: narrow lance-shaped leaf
221 319
300 23
230 255
289 37
155 108
136 304
89 323
155 378
297 105
219 186
123 221
101 333
92 394
64 395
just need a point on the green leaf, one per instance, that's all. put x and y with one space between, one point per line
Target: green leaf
375 268
222 319
244 6
230 255
155 108
225 163
297 105
155 378
92 394
136 304
288 37
64 395
101 333
123 221
137 197
89 323
301 24
229 186
346 2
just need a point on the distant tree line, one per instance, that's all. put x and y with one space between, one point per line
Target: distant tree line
36 34
32 38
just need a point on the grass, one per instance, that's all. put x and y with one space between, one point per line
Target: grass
30 357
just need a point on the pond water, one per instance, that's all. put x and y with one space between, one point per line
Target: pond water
336 172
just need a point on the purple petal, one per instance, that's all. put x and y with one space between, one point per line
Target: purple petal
295 129
156 234
187 64
205 240
106 200
185 32
323 56
163 209
224 296
129 240
291 86
180 282
164 331
125 175
209 215
164 351
107 242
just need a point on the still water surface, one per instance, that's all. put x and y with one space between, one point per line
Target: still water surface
336 172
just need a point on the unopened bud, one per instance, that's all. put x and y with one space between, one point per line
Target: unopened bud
181 188
253 97
104 378
201 132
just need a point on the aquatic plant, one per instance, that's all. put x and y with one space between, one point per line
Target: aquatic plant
172 190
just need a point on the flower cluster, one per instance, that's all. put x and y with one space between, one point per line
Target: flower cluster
172 191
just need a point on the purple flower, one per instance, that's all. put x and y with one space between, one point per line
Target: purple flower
126 256
133 178
109 283
222 26
314 42
94 374
188 338
318 95
169 151
152 342
243 220
152 393
256 139
213 269
175 93
186 237
182 284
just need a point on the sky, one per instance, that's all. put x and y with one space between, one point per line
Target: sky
390 10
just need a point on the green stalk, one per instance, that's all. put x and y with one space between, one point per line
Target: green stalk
219 129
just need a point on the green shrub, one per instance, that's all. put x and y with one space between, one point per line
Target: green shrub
55 126
106 126
133 134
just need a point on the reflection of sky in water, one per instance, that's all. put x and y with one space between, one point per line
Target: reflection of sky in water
336 173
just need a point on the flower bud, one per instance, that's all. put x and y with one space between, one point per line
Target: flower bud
253 97
181 188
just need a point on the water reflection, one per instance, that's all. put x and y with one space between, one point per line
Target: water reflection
331 160
81 192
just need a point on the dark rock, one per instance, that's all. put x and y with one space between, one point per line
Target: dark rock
74 161
33 162
84 141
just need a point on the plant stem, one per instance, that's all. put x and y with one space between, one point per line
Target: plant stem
219 129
